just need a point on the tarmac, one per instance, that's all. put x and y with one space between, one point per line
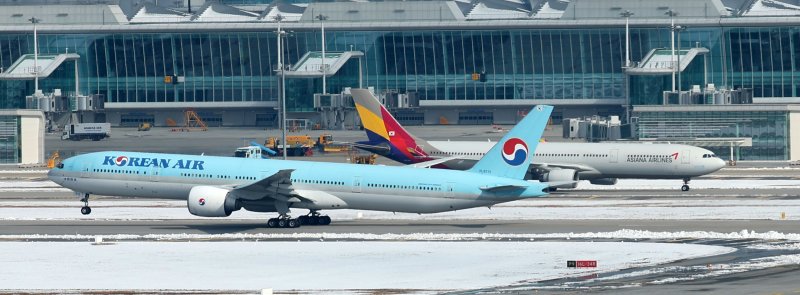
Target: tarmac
223 141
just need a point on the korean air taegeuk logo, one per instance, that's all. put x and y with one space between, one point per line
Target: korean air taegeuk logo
514 151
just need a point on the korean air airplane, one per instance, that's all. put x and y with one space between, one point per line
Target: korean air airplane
599 163
217 186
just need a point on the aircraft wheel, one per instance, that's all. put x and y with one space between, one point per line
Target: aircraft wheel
282 222
325 220
313 220
273 222
303 220
292 223
86 210
685 188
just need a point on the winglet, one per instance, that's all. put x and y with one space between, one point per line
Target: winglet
511 156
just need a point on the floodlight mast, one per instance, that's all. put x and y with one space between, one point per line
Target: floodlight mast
282 84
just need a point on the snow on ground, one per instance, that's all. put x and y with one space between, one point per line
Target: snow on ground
536 209
318 265
627 234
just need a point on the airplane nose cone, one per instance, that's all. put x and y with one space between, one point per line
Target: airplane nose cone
51 174
718 164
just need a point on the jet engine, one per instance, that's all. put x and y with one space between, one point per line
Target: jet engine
604 181
558 175
209 201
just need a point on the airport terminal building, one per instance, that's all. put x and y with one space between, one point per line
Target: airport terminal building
455 61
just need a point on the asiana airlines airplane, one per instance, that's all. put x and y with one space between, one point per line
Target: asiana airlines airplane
218 186
567 162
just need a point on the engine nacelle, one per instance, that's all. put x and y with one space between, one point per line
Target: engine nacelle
604 181
559 175
209 201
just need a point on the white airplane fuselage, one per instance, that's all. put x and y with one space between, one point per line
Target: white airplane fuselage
599 160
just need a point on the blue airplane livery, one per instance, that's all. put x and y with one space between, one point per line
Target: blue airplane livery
217 186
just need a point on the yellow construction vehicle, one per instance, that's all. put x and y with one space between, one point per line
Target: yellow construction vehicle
326 144
52 161
296 145
357 158
144 126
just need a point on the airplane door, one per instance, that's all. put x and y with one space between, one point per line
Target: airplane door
84 169
449 188
685 157
154 172
356 184
612 156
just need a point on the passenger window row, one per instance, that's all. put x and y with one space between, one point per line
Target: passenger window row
312 181
414 187
557 155
116 171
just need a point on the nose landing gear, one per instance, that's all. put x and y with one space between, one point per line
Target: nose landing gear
86 210
685 186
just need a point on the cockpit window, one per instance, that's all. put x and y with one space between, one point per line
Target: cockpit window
709 156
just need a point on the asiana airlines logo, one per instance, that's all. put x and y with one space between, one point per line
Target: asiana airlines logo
123 161
652 158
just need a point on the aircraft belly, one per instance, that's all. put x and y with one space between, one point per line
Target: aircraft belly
408 204
146 189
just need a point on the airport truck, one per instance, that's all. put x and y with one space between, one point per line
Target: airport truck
81 131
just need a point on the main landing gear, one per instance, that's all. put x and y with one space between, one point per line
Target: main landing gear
85 210
685 186
314 218
286 221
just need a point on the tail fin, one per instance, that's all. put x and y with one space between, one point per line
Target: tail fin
383 129
511 156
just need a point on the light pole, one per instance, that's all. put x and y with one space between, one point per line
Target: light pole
679 29
281 85
627 15
35 21
321 17
672 15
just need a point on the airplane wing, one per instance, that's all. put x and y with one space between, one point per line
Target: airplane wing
278 186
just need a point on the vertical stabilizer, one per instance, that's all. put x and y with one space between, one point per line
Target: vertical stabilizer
383 129
512 155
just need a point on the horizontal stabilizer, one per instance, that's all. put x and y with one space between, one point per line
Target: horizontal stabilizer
428 164
507 187
367 146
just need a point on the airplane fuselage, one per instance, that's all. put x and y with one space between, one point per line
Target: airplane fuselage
600 160
319 185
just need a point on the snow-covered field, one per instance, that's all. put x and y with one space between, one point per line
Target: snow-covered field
536 209
318 265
